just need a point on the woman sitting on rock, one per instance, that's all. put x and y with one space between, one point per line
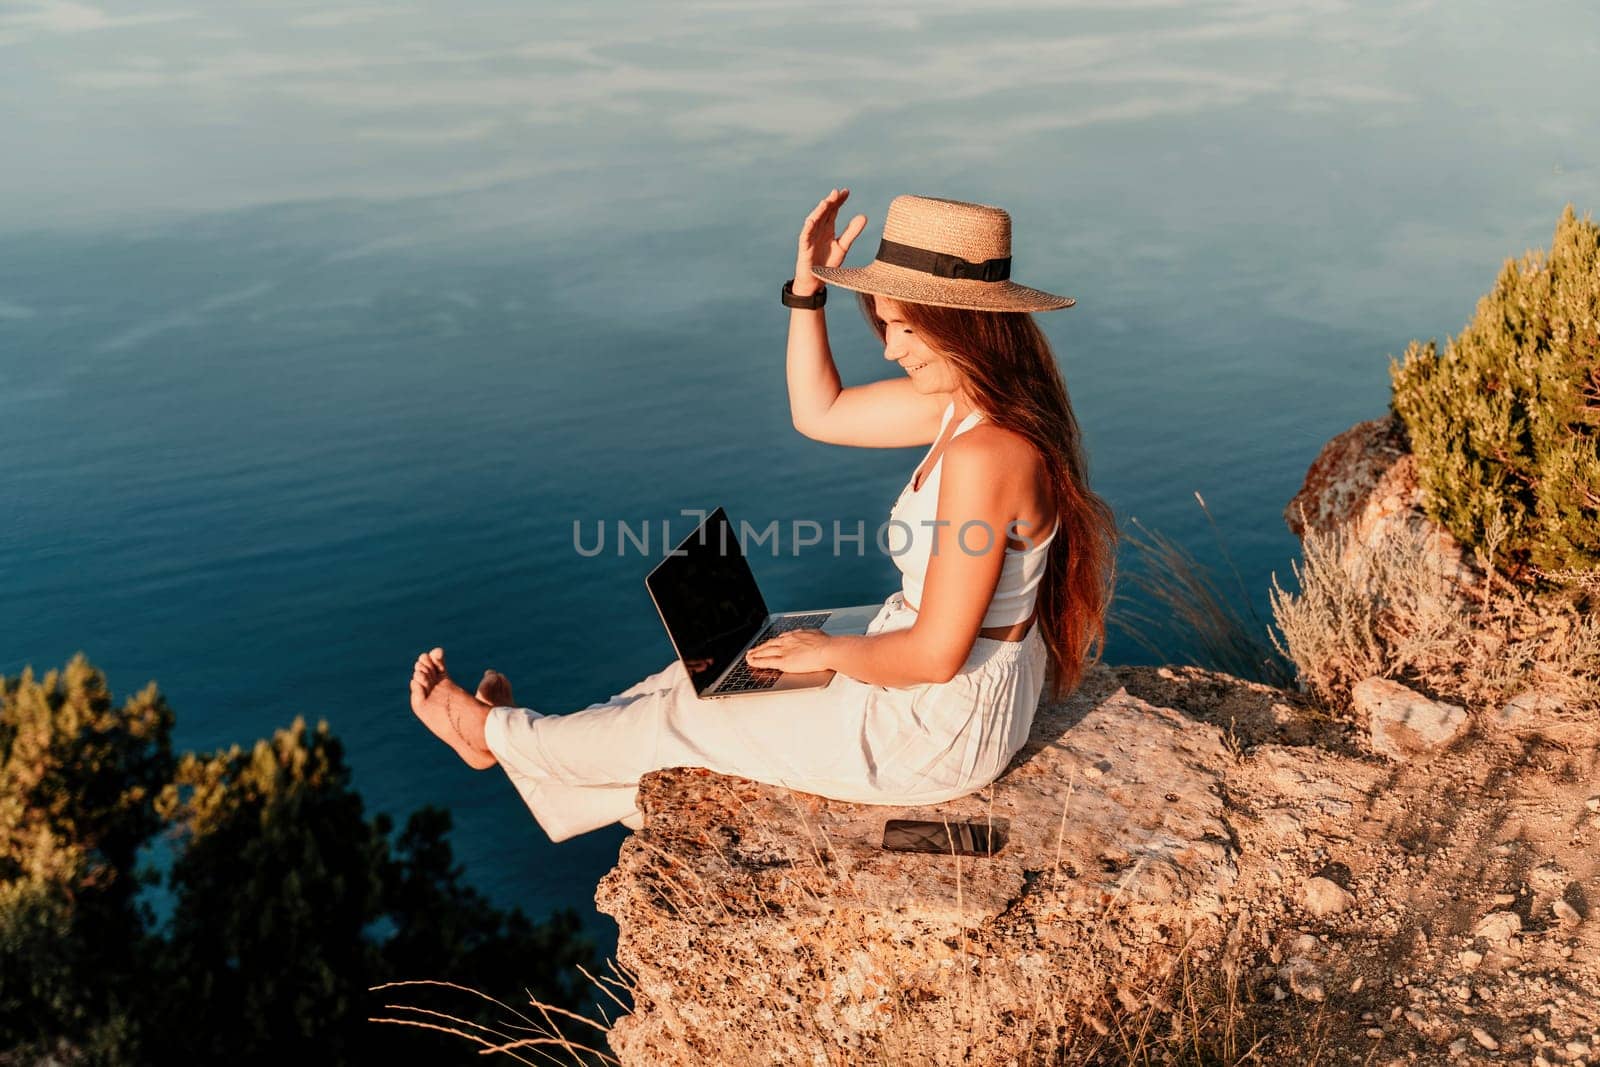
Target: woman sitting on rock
1006 558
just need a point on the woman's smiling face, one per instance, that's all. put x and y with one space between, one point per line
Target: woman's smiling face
928 369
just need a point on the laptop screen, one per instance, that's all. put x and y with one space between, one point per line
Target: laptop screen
708 599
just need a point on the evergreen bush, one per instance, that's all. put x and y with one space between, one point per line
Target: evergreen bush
288 901
1505 423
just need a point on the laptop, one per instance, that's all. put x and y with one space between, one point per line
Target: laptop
707 598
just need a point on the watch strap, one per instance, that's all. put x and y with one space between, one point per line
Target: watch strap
808 303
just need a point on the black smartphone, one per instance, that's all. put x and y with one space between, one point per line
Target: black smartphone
982 838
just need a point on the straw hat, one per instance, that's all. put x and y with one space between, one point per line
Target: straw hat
945 252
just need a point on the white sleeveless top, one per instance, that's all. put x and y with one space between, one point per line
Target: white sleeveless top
910 540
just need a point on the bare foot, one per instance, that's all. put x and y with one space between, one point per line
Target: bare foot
455 716
495 690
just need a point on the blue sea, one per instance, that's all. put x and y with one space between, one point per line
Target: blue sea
322 324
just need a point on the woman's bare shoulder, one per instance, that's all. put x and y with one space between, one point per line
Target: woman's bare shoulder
1010 469
999 448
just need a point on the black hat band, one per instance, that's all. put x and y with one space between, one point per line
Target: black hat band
942 264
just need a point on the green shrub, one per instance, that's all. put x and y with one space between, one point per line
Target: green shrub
288 902
1505 423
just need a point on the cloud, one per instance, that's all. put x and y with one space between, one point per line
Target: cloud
340 18
44 17
846 10
472 130
584 84
755 85
182 317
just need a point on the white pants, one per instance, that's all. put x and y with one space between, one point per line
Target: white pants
848 740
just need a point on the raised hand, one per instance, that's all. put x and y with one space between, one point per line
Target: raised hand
820 246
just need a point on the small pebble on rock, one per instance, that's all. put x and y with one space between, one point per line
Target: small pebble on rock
1322 897
1310 989
1498 926
1403 723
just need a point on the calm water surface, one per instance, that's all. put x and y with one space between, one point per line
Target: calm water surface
320 324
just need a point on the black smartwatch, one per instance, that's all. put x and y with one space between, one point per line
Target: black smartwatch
808 303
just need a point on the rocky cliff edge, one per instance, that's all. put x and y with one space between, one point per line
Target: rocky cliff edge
1178 842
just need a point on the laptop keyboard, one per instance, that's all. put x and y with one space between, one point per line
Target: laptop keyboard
745 678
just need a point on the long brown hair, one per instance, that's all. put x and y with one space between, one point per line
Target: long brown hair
1012 377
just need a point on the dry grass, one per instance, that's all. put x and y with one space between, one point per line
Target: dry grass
1395 610
1587 582
1198 623
521 1036
926 1000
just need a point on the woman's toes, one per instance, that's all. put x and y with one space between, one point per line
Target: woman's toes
426 673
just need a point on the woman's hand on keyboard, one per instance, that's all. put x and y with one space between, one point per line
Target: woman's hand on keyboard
797 652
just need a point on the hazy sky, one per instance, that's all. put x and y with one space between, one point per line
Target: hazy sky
165 106
464 266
